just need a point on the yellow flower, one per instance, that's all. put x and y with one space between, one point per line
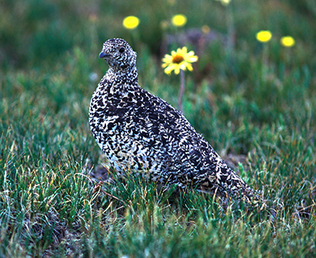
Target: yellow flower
287 41
179 20
171 2
224 2
264 36
179 59
130 22
205 29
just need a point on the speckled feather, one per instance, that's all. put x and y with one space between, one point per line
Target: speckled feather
138 131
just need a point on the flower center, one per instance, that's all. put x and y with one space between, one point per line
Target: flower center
177 59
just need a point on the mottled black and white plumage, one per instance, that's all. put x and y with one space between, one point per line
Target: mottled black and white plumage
138 131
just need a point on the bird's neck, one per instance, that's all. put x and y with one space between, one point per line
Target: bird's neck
118 81
127 76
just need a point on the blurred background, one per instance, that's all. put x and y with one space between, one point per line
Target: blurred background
37 32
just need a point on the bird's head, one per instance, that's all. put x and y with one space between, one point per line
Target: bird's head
118 54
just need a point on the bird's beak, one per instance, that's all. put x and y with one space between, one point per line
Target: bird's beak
103 55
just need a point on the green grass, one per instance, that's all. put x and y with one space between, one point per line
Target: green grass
253 100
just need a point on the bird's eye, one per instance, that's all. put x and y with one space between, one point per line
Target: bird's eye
121 50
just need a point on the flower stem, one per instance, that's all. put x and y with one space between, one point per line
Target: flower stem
182 84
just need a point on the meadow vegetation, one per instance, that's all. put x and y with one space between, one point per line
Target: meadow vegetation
249 99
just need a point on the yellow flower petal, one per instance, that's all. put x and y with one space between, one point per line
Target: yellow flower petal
167 59
191 59
169 69
177 70
183 65
184 50
189 66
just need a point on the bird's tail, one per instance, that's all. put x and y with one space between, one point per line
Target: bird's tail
227 185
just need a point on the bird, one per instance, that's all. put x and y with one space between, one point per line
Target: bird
138 131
